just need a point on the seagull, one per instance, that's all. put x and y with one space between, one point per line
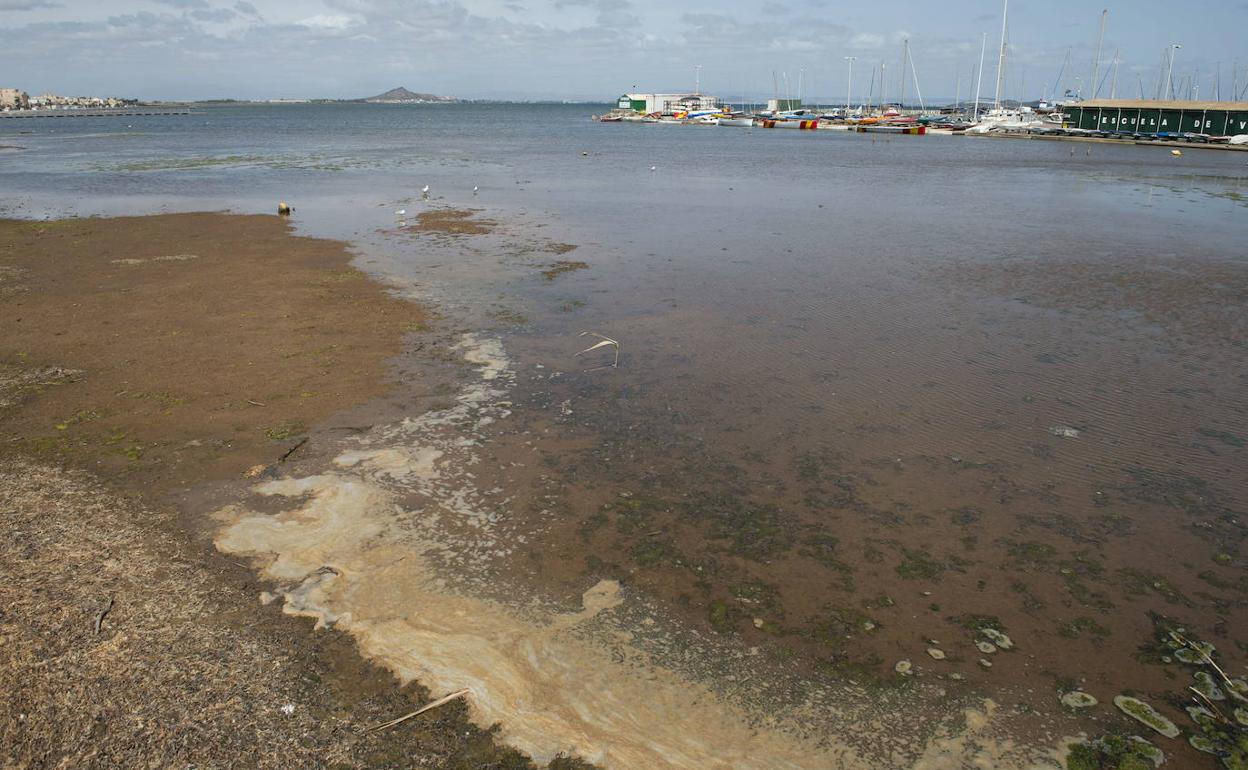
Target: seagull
400 212
474 189
424 191
654 168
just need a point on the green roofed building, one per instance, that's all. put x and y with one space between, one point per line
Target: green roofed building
1135 116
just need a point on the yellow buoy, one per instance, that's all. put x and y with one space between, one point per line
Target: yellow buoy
1177 153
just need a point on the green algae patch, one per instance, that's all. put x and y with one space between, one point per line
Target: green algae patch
1115 752
1077 699
1146 715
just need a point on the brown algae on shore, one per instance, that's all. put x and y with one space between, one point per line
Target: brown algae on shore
452 222
388 544
556 269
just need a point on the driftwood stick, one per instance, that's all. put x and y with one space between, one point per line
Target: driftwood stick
1209 703
292 450
428 706
99 616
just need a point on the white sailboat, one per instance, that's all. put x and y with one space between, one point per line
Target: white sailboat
1000 118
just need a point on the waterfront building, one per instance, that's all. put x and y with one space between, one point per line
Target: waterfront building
1145 116
677 102
13 99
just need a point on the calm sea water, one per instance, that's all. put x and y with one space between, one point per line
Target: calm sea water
1009 374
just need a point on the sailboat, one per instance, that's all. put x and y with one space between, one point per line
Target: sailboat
999 118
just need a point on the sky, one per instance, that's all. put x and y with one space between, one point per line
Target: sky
598 49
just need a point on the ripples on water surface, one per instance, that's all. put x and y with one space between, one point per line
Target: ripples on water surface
872 391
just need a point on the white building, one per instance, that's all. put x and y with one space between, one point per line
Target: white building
13 99
668 103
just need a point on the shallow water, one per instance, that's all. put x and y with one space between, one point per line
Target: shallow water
868 388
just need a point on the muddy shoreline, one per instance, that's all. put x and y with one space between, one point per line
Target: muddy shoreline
148 363
418 493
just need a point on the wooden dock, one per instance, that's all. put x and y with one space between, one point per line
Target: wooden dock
119 112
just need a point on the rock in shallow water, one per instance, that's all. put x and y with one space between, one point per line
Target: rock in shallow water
1147 715
1077 699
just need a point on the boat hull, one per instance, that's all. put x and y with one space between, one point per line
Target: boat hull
801 125
912 130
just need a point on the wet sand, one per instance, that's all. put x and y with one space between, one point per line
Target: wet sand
142 357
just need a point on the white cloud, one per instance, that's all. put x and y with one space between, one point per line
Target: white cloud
866 40
26 5
329 21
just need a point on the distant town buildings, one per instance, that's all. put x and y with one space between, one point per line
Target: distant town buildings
17 99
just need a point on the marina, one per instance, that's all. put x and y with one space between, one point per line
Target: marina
1180 124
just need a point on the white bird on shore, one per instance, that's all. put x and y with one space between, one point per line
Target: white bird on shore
400 212
474 189
424 191
654 168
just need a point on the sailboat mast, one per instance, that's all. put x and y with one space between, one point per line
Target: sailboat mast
979 78
1096 63
1113 88
905 55
1005 15
918 91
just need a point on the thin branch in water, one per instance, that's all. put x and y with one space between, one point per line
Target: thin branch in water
605 342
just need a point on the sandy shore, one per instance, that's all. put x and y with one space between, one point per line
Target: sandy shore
142 357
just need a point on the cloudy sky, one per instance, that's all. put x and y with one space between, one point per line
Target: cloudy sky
595 49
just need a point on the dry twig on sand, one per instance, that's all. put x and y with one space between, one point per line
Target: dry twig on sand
428 706
99 616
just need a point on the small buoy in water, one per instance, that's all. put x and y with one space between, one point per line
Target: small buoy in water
1177 153
284 209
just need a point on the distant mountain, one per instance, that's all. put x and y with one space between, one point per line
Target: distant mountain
403 96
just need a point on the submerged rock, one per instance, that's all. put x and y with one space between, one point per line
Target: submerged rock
904 667
1238 689
1197 655
998 637
986 648
1207 687
936 653
1143 748
1146 715
985 663
1077 699
1201 743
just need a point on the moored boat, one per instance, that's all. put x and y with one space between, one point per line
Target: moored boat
736 122
798 124
886 129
